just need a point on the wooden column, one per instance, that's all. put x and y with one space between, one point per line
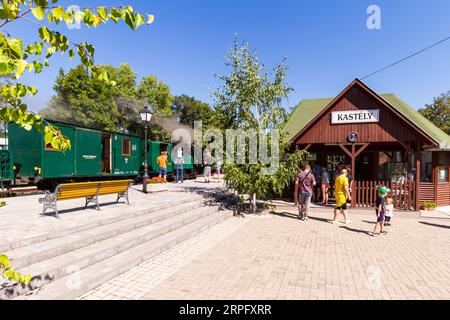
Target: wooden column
418 167
353 201
353 154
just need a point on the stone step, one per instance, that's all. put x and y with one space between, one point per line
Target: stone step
77 284
25 256
11 245
62 265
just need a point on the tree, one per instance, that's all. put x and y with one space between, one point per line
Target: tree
439 112
16 58
190 109
251 98
84 100
157 94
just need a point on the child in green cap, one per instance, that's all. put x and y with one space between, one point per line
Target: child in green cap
380 210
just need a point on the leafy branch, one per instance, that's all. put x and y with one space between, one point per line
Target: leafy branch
15 59
9 273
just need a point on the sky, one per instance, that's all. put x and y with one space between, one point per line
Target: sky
326 42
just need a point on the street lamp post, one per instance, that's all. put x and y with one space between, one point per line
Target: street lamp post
146 116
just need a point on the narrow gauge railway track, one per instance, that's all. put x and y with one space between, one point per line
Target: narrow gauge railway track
19 191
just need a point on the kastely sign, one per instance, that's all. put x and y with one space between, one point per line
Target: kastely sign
355 116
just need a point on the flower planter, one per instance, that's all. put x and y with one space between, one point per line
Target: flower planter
429 208
157 187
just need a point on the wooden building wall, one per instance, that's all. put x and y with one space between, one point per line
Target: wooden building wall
390 128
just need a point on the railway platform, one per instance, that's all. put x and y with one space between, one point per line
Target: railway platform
95 246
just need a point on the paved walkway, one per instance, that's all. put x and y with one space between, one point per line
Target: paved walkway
279 257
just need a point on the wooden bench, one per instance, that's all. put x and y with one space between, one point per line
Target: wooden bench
88 190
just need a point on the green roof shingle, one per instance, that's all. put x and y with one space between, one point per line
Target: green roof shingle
307 109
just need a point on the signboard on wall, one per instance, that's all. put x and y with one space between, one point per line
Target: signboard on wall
355 116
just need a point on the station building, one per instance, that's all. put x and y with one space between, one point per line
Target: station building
385 141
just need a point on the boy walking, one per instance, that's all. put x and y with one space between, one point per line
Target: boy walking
304 184
380 210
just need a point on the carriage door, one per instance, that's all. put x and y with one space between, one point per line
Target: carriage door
106 153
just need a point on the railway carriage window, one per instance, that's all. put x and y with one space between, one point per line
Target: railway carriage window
126 147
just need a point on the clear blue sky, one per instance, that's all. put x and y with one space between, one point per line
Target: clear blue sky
326 42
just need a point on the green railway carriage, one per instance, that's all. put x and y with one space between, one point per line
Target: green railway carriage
95 155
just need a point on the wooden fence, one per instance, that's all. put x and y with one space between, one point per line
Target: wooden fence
365 193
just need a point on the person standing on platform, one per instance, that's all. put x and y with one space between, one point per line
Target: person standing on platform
162 164
342 194
207 162
325 177
179 162
305 183
218 167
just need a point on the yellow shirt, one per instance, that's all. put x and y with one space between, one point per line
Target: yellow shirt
162 161
339 190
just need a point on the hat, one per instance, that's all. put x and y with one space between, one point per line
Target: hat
384 190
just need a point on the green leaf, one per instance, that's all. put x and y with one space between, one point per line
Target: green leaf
38 13
37 66
21 65
103 13
130 19
71 54
97 20
41 3
150 18
45 34
68 18
58 13
6 68
15 45
115 14
139 20
88 18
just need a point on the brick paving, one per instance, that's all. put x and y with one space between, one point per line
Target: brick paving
279 257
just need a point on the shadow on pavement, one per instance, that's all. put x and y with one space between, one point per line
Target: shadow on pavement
435 225
355 230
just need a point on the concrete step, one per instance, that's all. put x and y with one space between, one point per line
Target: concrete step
75 285
64 264
44 250
11 245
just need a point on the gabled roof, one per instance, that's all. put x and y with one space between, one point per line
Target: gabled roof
307 110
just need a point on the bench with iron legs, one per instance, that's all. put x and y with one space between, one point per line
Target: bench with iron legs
88 190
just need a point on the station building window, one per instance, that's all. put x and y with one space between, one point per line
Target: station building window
443 176
126 147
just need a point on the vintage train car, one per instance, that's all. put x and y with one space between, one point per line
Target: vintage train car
95 155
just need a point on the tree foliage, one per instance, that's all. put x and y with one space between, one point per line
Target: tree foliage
439 112
17 57
250 97
87 101
190 110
